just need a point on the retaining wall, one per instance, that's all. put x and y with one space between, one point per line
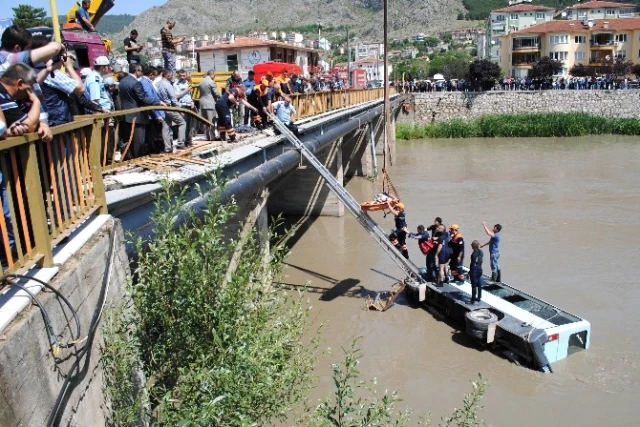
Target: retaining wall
442 106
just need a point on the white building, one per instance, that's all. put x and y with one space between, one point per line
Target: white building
245 52
366 50
513 18
324 44
410 52
599 10
373 66
295 38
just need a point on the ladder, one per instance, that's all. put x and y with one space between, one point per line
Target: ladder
352 205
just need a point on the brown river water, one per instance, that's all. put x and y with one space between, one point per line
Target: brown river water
569 208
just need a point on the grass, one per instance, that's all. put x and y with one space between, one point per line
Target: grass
522 125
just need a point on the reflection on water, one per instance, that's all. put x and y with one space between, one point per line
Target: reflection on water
569 208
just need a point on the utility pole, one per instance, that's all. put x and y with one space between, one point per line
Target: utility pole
387 104
348 60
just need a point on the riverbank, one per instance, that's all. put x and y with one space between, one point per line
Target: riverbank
542 125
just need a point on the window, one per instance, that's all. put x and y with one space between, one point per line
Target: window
232 62
622 54
539 15
621 38
611 12
561 56
580 39
581 55
582 14
500 18
514 16
564 38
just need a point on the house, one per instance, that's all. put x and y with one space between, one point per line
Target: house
516 17
599 10
589 42
244 52
368 49
373 67
410 52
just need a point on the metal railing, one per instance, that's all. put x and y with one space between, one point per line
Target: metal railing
49 189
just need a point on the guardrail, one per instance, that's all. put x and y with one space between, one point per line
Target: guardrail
48 189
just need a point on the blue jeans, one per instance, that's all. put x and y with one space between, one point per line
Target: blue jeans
169 60
494 257
7 219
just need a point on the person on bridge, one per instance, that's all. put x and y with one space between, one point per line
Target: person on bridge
475 272
494 250
230 98
286 113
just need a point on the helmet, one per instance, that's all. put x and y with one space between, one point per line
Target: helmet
454 227
400 205
101 60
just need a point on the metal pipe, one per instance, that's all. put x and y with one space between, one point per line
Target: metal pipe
372 142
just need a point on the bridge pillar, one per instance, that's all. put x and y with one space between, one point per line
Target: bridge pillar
302 192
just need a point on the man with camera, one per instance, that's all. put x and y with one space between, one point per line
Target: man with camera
57 85
132 48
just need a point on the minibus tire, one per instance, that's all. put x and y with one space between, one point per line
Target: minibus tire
480 319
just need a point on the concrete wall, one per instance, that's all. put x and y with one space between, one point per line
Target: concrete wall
30 378
442 106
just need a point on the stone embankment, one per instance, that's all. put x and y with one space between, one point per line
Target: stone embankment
442 106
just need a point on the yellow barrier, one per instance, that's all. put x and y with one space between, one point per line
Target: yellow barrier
220 78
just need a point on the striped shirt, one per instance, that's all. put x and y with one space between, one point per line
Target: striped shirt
7 59
13 111
166 38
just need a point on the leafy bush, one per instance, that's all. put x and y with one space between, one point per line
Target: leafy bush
357 403
218 343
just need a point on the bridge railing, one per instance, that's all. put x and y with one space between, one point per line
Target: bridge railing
314 103
48 189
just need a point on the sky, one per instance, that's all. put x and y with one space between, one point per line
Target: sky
121 7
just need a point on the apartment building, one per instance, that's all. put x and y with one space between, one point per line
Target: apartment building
516 17
589 42
368 49
599 10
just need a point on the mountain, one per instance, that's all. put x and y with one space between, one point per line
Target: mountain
364 17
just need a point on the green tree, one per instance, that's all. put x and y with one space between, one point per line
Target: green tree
483 74
431 41
28 16
581 70
452 64
546 68
635 70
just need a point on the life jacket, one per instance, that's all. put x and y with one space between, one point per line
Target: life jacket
426 245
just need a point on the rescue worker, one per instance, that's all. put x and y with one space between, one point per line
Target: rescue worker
256 98
442 257
475 272
494 250
456 251
232 97
249 83
265 83
401 225
423 239
394 238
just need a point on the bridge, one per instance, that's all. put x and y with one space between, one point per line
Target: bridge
61 198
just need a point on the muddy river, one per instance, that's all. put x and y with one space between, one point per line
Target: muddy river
569 210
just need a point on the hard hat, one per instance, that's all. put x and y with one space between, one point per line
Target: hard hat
400 205
454 227
101 60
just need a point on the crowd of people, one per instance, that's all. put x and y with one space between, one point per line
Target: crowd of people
519 84
444 250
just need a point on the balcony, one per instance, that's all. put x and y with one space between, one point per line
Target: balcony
526 45
602 43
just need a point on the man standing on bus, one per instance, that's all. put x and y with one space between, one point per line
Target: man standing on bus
494 250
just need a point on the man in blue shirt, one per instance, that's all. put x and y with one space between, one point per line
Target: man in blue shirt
83 18
94 89
494 250
183 93
249 83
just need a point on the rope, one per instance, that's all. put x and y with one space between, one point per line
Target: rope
386 180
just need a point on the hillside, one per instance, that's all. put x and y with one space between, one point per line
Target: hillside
364 17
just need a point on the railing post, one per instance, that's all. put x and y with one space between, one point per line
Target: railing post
96 166
35 197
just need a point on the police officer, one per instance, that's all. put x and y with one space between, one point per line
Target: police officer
94 89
